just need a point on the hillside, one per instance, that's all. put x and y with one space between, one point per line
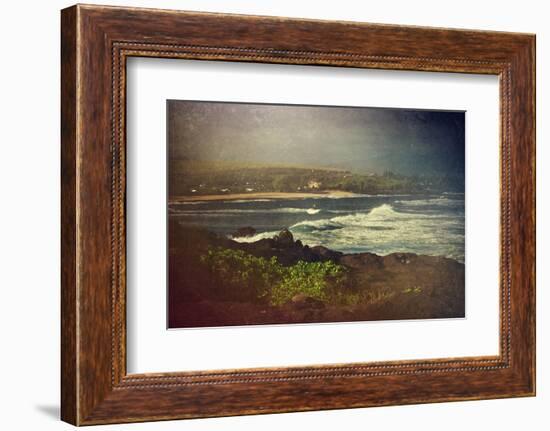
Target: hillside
187 178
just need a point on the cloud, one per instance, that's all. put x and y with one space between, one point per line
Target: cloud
359 139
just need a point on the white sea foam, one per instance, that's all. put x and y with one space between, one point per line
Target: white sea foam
432 201
254 238
382 230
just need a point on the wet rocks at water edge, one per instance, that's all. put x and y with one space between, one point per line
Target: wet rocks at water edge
246 231
287 250
284 239
326 253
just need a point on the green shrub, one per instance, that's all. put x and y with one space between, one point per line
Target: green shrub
242 275
309 278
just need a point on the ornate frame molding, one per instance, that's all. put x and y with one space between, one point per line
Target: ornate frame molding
96 42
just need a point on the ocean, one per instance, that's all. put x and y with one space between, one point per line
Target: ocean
382 224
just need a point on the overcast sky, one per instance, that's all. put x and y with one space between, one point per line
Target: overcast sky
359 139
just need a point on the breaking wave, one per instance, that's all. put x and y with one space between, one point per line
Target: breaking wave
382 230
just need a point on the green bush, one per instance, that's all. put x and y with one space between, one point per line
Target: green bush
309 278
245 275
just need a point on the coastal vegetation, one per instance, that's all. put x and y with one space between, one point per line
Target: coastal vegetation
216 281
267 278
188 178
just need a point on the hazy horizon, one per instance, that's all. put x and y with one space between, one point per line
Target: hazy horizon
359 139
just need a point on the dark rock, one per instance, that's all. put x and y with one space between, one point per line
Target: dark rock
362 261
326 253
284 239
400 259
286 250
264 244
244 232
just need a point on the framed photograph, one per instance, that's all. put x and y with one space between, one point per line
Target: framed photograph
264 215
371 244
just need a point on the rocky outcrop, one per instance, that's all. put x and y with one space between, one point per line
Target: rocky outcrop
284 239
287 250
363 260
244 232
326 253
395 286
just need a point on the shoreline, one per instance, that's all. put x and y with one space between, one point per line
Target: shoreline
341 254
264 195
372 287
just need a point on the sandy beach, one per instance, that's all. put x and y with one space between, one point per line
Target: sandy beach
266 195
